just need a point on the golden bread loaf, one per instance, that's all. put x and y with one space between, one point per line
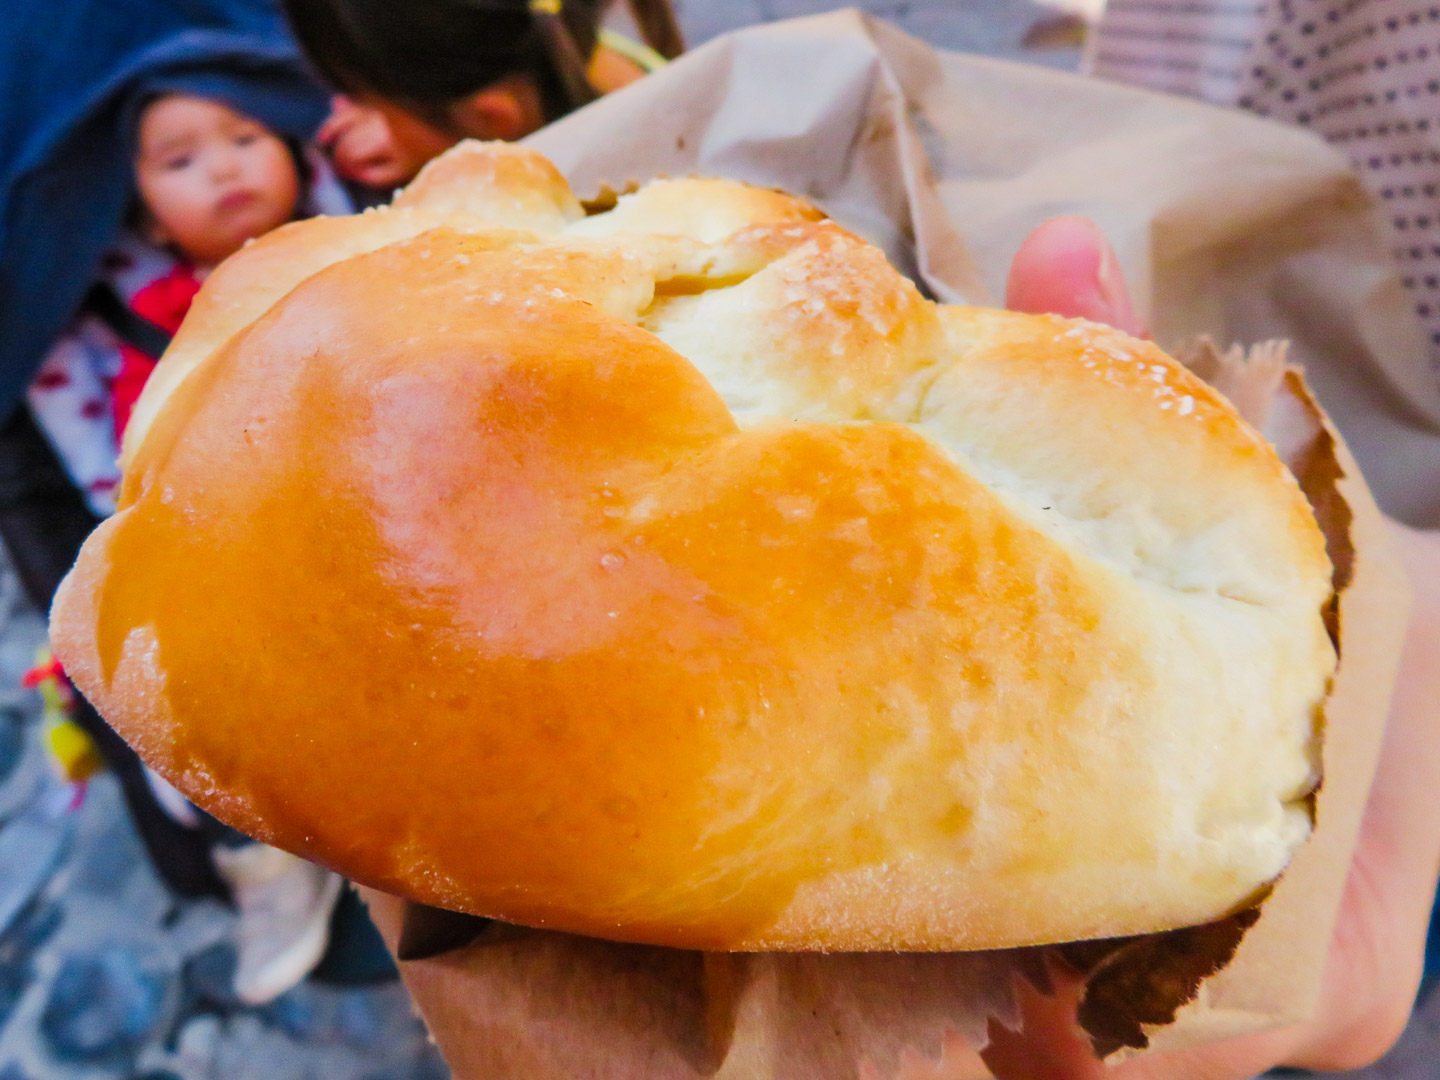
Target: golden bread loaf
679 574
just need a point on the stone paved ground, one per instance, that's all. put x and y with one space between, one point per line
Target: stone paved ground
104 976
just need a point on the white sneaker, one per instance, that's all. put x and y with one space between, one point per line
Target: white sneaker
284 904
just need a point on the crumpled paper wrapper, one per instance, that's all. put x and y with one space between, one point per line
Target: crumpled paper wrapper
946 162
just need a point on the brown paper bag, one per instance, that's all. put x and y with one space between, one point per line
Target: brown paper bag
946 161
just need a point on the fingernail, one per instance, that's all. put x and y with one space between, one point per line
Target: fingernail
1113 291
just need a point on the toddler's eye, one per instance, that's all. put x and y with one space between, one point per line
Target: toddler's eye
175 164
246 139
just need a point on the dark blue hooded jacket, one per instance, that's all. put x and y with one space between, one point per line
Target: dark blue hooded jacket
73 74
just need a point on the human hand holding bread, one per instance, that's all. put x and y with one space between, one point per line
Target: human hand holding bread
1375 954
840 539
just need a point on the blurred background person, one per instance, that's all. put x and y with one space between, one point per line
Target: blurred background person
417 78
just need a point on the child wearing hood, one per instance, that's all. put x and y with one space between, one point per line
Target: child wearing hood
208 179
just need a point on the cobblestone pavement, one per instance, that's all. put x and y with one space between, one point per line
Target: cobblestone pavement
103 975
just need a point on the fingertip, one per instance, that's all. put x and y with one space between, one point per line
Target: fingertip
1057 258
1066 267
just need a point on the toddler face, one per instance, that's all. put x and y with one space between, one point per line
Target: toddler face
212 178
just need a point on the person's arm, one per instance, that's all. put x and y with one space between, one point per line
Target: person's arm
1065 267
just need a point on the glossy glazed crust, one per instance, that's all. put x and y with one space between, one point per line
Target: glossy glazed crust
711 593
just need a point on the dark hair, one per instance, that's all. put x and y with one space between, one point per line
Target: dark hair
425 55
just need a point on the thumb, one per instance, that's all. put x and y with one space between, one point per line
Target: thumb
1066 267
